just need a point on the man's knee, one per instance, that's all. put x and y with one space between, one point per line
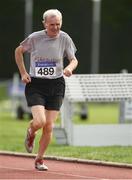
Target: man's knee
39 122
48 128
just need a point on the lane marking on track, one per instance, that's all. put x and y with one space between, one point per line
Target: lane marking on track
73 175
10 168
78 176
53 172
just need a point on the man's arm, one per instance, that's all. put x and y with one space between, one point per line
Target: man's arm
20 63
71 66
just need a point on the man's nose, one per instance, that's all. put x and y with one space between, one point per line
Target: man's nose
56 27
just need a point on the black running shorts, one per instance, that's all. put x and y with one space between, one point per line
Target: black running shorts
45 92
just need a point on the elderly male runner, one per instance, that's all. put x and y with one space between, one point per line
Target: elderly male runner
45 85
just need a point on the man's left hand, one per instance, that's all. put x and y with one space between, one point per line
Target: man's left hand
67 72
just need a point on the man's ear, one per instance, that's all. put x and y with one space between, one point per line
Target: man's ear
44 24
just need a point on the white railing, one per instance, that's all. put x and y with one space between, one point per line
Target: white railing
93 88
99 87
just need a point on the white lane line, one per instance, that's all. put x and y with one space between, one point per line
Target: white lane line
10 168
73 175
56 173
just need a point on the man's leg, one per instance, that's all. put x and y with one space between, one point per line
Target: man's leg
38 122
45 139
39 118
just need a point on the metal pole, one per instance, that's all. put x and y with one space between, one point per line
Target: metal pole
28 25
95 36
28 17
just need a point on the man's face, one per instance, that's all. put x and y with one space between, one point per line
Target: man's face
53 25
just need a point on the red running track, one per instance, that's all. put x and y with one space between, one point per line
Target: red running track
17 167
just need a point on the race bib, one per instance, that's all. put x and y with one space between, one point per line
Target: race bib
45 69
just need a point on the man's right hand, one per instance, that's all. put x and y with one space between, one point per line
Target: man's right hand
26 78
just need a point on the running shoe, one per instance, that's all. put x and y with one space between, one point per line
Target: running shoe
29 141
39 165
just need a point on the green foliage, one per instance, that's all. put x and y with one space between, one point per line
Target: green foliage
3 93
117 13
112 153
105 113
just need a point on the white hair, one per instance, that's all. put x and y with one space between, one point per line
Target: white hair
51 13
